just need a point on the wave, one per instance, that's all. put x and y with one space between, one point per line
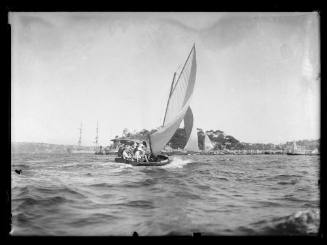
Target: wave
292 182
222 178
19 191
20 166
139 204
28 202
127 183
74 164
305 222
187 195
146 182
227 159
203 187
59 191
97 218
284 177
43 197
37 161
22 218
291 197
269 204
102 185
118 166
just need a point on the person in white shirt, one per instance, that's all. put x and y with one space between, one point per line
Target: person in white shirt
126 154
139 152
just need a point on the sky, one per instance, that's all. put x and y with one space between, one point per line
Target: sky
257 73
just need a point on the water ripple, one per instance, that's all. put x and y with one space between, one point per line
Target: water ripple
217 195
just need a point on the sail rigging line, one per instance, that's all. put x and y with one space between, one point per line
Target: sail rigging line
170 92
189 55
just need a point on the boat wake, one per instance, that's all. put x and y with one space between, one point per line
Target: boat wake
120 166
177 162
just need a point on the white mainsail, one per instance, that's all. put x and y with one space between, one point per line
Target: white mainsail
178 104
207 146
191 132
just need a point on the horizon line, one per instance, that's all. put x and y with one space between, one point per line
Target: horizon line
242 142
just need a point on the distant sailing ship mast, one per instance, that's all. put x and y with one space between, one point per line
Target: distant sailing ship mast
80 136
97 138
80 148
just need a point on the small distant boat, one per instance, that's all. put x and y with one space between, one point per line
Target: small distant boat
177 105
207 145
314 152
295 151
191 147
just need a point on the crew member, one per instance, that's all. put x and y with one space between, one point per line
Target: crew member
126 154
120 150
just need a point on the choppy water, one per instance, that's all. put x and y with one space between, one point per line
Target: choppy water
214 195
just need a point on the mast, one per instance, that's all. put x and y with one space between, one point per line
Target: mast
97 136
80 136
204 140
171 87
150 143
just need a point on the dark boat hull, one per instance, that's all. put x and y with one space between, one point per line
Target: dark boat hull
99 153
163 161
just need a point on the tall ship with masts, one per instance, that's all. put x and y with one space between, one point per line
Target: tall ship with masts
80 148
98 149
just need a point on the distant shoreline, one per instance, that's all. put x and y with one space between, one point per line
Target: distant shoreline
240 148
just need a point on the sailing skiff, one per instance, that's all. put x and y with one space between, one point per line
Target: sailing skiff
177 107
